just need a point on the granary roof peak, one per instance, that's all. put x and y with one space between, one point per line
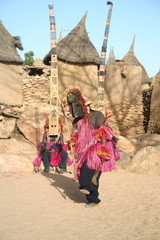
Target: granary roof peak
158 74
80 29
76 47
132 45
131 60
111 59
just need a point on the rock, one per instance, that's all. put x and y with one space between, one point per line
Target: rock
146 161
7 127
32 122
127 145
124 161
149 140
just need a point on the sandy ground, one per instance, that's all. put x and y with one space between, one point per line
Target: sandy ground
50 207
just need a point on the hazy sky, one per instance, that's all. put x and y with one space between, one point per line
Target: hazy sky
29 19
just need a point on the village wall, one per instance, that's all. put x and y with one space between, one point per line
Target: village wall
83 77
123 91
11 84
154 121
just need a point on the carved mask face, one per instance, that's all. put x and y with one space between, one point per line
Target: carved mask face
74 104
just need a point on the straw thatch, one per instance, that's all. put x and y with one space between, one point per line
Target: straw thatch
8 45
76 47
131 60
111 60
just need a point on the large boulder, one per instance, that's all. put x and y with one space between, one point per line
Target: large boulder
124 161
148 139
127 145
32 122
146 161
7 126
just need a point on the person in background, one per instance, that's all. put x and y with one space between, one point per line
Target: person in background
53 152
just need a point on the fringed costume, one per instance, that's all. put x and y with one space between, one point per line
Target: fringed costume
94 145
54 152
88 146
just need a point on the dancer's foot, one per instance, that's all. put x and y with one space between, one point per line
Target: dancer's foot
90 205
85 191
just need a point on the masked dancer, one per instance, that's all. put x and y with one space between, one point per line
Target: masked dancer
94 144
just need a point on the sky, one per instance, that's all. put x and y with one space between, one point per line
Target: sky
29 19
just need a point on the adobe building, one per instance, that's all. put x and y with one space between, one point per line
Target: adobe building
78 62
154 120
125 80
10 68
11 95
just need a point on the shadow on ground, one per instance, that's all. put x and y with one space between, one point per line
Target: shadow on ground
66 186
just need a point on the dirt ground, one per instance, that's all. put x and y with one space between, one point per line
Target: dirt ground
50 207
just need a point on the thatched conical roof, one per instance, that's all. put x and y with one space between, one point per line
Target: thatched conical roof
131 60
8 44
111 60
76 47
158 74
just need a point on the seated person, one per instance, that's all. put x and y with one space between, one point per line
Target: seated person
53 152
54 155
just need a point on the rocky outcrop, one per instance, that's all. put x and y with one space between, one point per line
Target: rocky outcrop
146 161
140 155
148 139
32 121
127 145
7 126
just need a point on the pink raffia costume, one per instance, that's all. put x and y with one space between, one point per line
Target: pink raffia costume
56 155
51 152
94 143
88 147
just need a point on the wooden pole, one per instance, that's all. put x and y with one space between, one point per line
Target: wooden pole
54 96
102 73
53 118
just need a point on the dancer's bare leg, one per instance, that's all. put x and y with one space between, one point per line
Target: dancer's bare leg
94 178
